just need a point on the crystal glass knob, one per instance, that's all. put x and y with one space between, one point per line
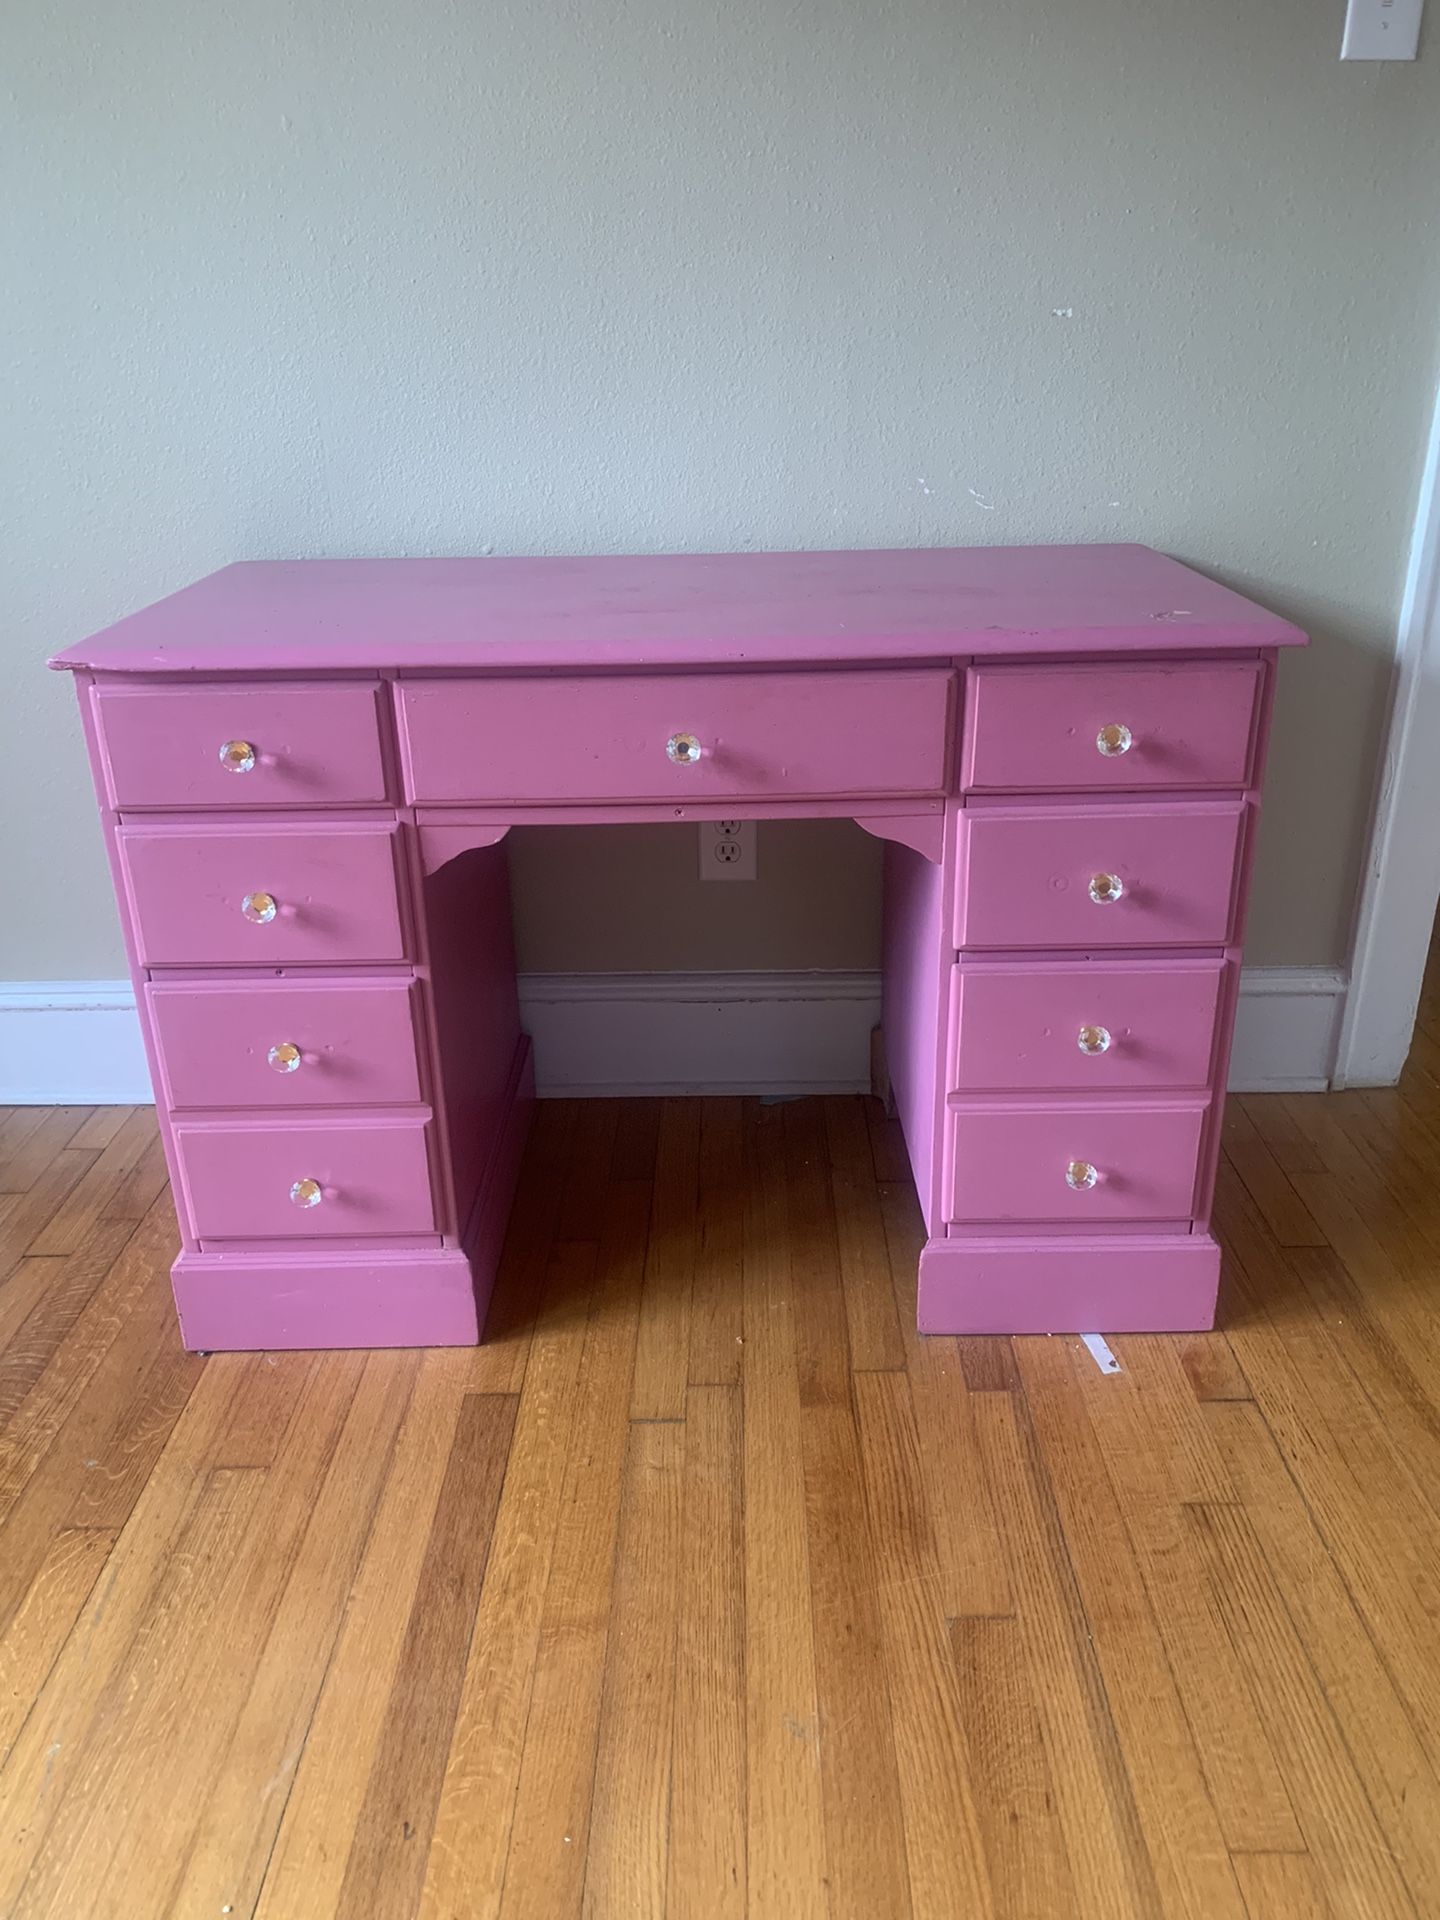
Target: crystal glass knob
259 907
284 1056
1114 740
237 756
306 1193
1081 1175
1094 1040
1106 888
683 748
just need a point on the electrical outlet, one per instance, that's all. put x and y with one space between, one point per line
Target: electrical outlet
1381 30
727 849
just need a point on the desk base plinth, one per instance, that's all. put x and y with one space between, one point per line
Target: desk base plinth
1135 1284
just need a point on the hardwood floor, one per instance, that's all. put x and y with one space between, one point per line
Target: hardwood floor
705 1588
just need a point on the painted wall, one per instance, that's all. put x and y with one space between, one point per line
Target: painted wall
288 277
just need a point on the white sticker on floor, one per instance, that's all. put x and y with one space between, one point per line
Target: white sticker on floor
1100 1353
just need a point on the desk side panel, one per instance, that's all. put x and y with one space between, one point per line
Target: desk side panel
912 1014
471 963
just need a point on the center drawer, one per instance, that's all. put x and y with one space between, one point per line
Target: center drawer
1109 874
703 736
313 1180
1072 1161
263 896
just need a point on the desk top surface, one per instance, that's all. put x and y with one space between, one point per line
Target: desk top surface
687 610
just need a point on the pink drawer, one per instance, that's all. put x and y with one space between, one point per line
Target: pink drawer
1025 875
334 891
1189 725
776 735
1102 1028
373 1176
1013 1162
286 1043
310 745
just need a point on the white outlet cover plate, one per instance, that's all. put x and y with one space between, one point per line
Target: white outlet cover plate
1382 30
727 849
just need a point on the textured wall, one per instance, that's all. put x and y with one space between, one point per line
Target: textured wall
291 277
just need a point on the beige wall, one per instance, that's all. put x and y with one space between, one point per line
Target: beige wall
314 278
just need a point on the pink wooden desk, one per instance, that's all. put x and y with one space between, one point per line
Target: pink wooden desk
307 771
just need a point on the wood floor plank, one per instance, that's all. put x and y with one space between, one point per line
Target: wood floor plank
100 1126
94 1197
637 1131
987 1363
942 1830
864 1823
784 1812
717 1296
707 1791
974 1580
30 1149
133 1289
1211 1367
1383 1535
393 1834
92 1859
888 1153
1010 1771
476 1795
662 1355
312 1848
1399 1779
1269 1114
817 1309
627 1861
1281 1886
57 1292
549 1830
1329 1799
588 1176
875 1337
236 1826
1172 1797
1240 1769
42 1622
47 1749
1284 1212
37 1204
1109 1868
99 1458
191 1647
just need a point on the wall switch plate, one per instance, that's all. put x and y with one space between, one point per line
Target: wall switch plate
1382 30
727 849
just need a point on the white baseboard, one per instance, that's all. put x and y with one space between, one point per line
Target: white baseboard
638 1033
71 1043
1286 1028
77 1043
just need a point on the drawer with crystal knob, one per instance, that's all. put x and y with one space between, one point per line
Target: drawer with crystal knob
305 1179
291 744
1109 727
1105 1027
676 737
1072 1161
272 895
295 1042
1121 874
